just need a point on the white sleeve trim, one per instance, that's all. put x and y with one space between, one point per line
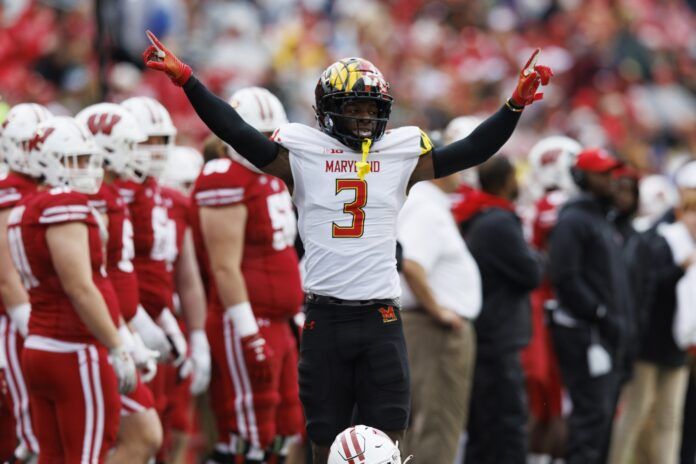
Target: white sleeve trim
62 218
220 196
65 209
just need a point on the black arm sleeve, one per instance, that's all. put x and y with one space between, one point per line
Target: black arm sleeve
481 144
226 123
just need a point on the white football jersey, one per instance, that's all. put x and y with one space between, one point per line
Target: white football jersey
348 226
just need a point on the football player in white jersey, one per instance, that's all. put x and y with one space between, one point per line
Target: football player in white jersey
349 180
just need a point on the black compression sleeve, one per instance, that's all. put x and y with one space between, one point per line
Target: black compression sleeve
226 123
481 144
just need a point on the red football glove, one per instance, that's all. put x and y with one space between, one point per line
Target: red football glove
159 58
258 356
531 76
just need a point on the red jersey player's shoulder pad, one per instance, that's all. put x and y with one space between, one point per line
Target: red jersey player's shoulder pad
60 205
13 189
222 182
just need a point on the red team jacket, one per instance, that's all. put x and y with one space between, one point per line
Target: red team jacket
52 312
269 262
14 188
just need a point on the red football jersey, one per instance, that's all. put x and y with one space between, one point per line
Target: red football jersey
153 236
14 187
119 247
547 209
52 313
179 210
269 262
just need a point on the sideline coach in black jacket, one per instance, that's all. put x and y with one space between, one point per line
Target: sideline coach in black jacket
590 278
509 271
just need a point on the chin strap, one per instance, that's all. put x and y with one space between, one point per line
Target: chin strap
363 166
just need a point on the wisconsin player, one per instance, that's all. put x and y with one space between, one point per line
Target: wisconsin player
74 359
248 227
116 131
353 352
16 132
189 303
153 230
550 160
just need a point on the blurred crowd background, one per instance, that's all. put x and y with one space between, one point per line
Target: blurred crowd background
625 69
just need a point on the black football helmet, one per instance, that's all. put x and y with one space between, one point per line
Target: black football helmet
349 80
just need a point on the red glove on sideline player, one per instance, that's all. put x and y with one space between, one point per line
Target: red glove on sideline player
531 76
258 356
159 58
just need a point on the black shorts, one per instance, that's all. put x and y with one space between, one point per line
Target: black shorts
353 364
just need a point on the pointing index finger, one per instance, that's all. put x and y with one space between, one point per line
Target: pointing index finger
157 44
529 67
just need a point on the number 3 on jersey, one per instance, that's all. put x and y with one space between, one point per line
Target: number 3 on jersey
354 208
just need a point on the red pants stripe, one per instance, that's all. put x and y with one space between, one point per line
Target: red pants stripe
13 344
74 398
255 413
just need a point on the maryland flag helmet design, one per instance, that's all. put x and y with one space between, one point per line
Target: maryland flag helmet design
349 80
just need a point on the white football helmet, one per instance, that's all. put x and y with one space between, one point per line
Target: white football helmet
58 150
460 127
117 132
17 130
259 108
365 445
551 159
262 110
657 195
155 121
686 176
457 129
183 166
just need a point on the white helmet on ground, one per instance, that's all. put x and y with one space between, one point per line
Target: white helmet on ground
155 121
183 166
17 129
551 159
457 129
259 108
58 150
364 445
262 110
116 131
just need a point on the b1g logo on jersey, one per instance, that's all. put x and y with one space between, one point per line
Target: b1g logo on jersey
102 123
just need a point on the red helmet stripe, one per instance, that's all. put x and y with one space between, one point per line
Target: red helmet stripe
258 102
346 449
356 444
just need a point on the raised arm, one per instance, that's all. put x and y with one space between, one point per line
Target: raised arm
218 115
491 134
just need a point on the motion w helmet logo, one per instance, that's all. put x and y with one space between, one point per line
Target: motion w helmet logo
102 123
